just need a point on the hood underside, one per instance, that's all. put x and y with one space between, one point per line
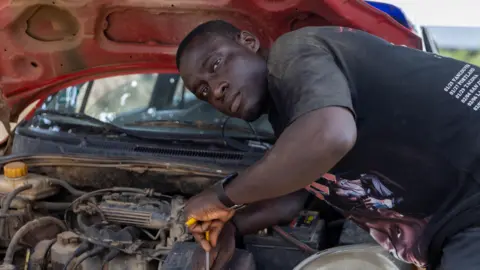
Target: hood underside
48 45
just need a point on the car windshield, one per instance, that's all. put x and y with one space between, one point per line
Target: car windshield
154 102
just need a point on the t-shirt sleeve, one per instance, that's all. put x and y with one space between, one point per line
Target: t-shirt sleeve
304 77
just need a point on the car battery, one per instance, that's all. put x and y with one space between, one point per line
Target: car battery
180 258
272 251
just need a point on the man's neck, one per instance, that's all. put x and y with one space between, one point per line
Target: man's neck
263 53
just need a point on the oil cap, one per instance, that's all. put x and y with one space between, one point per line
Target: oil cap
15 170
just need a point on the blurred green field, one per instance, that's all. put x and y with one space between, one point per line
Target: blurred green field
472 57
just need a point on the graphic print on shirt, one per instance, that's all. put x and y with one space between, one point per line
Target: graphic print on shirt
464 86
369 201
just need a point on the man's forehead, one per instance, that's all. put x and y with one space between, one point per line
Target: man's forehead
201 46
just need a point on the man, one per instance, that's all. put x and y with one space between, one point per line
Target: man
346 102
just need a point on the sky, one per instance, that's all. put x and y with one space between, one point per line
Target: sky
440 12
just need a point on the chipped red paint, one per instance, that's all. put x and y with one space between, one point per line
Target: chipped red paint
46 47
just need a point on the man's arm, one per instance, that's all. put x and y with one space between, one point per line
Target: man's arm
313 97
271 212
308 148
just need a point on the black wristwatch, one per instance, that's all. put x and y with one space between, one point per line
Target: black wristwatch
222 196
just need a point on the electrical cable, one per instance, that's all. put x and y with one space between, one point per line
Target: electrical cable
84 246
292 240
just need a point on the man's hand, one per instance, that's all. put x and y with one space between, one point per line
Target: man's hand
211 215
220 255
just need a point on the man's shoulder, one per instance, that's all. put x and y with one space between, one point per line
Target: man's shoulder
293 44
294 39
306 33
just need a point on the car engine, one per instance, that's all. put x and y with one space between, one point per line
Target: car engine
48 223
116 228
140 225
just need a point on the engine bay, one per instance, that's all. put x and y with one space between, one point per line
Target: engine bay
48 222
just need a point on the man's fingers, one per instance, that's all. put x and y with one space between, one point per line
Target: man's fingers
227 216
213 214
200 227
215 230
200 238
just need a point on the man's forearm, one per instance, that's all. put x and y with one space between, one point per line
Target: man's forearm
271 212
310 147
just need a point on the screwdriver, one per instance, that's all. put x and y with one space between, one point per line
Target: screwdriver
189 223
207 253
192 221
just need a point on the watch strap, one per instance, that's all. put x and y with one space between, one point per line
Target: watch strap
220 191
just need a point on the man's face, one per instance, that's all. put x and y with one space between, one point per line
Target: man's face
228 74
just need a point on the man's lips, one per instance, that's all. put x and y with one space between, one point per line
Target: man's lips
235 105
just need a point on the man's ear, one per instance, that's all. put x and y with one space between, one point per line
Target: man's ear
248 40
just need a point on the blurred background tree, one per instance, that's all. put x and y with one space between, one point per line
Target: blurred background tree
464 55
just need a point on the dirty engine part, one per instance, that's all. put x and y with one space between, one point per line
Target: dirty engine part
68 248
119 227
182 253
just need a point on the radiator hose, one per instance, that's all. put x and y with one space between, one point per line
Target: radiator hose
28 227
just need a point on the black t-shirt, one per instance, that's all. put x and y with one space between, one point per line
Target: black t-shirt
411 180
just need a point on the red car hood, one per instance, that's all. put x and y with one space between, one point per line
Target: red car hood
47 45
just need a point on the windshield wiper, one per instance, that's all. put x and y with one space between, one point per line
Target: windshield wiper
108 127
194 124
228 140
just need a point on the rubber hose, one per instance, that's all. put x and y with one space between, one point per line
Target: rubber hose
110 256
67 186
79 251
95 251
8 201
294 241
81 223
52 205
12 246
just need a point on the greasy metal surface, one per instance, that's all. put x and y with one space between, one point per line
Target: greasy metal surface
67 242
97 178
48 23
138 211
138 165
164 176
47 45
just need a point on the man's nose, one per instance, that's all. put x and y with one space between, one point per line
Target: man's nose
219 91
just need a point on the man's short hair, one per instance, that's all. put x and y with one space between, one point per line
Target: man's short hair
216 27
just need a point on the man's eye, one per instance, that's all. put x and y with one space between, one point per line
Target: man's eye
215 65
398 232
203 91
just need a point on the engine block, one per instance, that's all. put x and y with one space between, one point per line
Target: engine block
144 213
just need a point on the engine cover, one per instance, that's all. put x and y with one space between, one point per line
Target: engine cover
141 211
